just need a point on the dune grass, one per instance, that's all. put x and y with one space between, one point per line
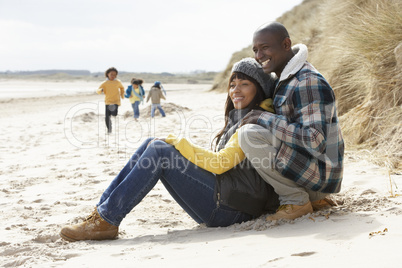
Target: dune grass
365 75
357 46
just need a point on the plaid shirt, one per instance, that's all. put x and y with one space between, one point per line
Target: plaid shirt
311 153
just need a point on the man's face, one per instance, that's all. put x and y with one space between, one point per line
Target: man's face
269 52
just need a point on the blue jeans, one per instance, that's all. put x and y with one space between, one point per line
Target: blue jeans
192 187
136 109
154 106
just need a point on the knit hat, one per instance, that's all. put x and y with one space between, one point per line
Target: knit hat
252 68
157 83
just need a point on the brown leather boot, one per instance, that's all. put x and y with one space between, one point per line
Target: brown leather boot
93 228
291 212
323 204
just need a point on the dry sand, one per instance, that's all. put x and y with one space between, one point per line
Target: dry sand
56 160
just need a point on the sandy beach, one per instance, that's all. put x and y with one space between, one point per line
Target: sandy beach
56 160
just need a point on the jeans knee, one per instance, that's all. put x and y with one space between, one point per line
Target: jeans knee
162 148
148 140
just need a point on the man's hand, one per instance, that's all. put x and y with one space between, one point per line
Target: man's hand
251 117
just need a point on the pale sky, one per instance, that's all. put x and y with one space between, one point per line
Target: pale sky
131 35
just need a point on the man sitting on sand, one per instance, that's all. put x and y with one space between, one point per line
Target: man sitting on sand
307 164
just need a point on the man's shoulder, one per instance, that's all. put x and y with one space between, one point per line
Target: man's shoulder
310 76
307 79
307 71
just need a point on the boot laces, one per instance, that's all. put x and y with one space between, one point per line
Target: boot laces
284 207
93 218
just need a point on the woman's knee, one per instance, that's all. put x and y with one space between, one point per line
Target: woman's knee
162 148
147 142
159 143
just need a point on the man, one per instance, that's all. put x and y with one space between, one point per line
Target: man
298 150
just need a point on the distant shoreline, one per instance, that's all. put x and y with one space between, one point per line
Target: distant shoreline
25 89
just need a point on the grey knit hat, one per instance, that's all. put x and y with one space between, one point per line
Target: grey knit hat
252 68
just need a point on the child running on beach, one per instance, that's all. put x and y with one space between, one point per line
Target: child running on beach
113 90
156 95
135 93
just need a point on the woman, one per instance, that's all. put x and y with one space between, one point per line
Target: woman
236 195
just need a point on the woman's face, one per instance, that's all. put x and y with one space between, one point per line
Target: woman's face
241 92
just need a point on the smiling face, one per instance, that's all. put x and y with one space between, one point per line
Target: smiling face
241 92
271 51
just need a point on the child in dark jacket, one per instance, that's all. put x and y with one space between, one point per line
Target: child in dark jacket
156 94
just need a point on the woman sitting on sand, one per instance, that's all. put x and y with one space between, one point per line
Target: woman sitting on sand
225 190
